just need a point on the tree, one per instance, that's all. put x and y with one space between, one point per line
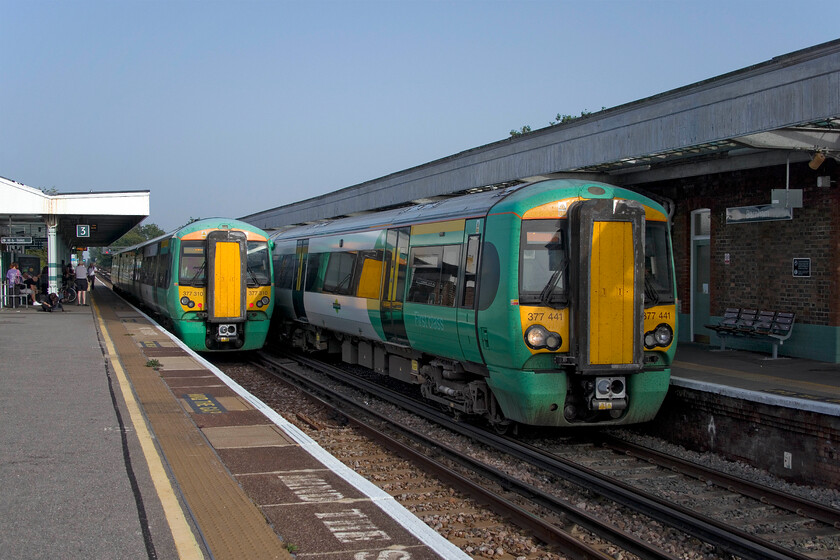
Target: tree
137 234
559 119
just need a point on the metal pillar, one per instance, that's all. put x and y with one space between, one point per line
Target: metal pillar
52 252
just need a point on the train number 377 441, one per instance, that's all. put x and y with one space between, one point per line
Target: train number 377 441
652 315
542 316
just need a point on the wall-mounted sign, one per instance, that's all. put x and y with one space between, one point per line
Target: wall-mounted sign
760 213
16 240
82 230
802 268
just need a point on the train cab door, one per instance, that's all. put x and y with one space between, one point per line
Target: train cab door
393 285
467 303
608 251
298 282
226 273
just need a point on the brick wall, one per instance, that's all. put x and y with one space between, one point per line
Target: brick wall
759 273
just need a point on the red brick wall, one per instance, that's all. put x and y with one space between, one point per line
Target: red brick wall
760 273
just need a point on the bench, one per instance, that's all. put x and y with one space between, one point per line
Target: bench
771 326
11 297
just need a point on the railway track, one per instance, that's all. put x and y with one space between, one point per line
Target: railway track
601 499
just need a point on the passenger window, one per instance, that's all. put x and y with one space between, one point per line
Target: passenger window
470 271
370 277
338 278
434 275
313 270
284 271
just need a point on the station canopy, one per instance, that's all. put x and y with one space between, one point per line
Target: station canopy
100 217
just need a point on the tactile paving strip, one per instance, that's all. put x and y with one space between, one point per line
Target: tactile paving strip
231 524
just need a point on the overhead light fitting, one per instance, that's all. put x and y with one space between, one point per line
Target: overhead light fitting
816 161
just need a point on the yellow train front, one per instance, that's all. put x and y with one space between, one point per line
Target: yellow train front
210 282
582 326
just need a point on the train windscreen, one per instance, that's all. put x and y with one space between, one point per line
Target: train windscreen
659 286
543 263
192 270
258 269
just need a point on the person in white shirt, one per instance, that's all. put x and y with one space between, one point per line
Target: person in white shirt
91 274
81 283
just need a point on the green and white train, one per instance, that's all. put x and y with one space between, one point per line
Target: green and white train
209 282
550 303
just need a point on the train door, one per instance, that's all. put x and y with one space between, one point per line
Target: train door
700 277
467 304
608 251
301 256
393 285
226 262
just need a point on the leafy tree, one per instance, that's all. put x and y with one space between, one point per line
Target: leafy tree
135 235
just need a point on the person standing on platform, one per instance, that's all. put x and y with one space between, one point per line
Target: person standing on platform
91 274
81 283
13 278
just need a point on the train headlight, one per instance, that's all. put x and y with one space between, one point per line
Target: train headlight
263 302
662 336
538 337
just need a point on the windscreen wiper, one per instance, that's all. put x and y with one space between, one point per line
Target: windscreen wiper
545 294
197 272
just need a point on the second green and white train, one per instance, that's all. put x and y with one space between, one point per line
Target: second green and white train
550 303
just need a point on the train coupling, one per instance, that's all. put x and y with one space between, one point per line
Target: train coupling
226 332
610 394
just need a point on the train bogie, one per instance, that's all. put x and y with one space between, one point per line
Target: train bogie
546 304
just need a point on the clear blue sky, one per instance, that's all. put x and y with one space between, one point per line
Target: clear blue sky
229 108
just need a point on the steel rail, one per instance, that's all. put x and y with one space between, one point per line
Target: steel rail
766 495
708 530
546 532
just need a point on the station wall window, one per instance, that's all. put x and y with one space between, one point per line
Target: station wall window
434 275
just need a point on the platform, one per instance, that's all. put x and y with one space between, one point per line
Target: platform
781 415
118 442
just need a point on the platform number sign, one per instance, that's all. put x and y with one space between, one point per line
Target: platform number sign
82 230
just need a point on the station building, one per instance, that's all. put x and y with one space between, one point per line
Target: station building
64 224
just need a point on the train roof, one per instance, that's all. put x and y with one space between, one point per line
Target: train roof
466 206
197 225
469 205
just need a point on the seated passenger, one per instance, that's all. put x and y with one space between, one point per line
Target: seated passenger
51 304
31 283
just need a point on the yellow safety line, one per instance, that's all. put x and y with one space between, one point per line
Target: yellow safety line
752 376
185 541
